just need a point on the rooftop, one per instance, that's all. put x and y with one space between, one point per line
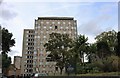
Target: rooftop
55 18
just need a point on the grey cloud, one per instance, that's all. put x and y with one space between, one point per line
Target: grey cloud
93 27
90 28
13 52
1 2
6 13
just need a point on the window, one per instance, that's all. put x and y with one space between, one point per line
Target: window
47 32
28 39
28 43
27 56
41 31
41 63
56 27
46 41
69 23
41 42
35 31
41 22
72 27
47 22
64 32
35 52
27 31
61 27
58 22
26 35
38 36
66 27
63 22
44 27
26 53
39 27
44 37
35 36
27 61
53 22
50 27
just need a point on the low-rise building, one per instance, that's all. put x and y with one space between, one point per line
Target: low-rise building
17 65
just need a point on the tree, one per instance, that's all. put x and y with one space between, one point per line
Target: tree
118 45
80 47
6 61
7 43
58 46
110 38
107 49
103 49
92 52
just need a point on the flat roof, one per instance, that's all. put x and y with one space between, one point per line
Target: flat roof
55 18
28 29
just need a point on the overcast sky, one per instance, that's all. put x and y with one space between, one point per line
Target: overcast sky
92 17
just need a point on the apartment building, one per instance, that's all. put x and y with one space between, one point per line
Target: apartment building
27 52
40 35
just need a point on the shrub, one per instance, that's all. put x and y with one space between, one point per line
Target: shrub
108 64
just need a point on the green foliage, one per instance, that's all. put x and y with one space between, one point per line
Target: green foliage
102 55
87 68
108 64
6 61
103 49
58 46
92 52
110 38
80 46
7 41
101 74
118 45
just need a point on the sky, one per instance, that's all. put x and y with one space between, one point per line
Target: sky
93 16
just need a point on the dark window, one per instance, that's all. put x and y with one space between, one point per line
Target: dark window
27 61
28 43
27 56
28 39
55 27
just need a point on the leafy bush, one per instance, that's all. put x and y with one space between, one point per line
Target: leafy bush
87 68
108 64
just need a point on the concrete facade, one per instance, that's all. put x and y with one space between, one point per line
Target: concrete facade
17 62
17 65
42 28
27 52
